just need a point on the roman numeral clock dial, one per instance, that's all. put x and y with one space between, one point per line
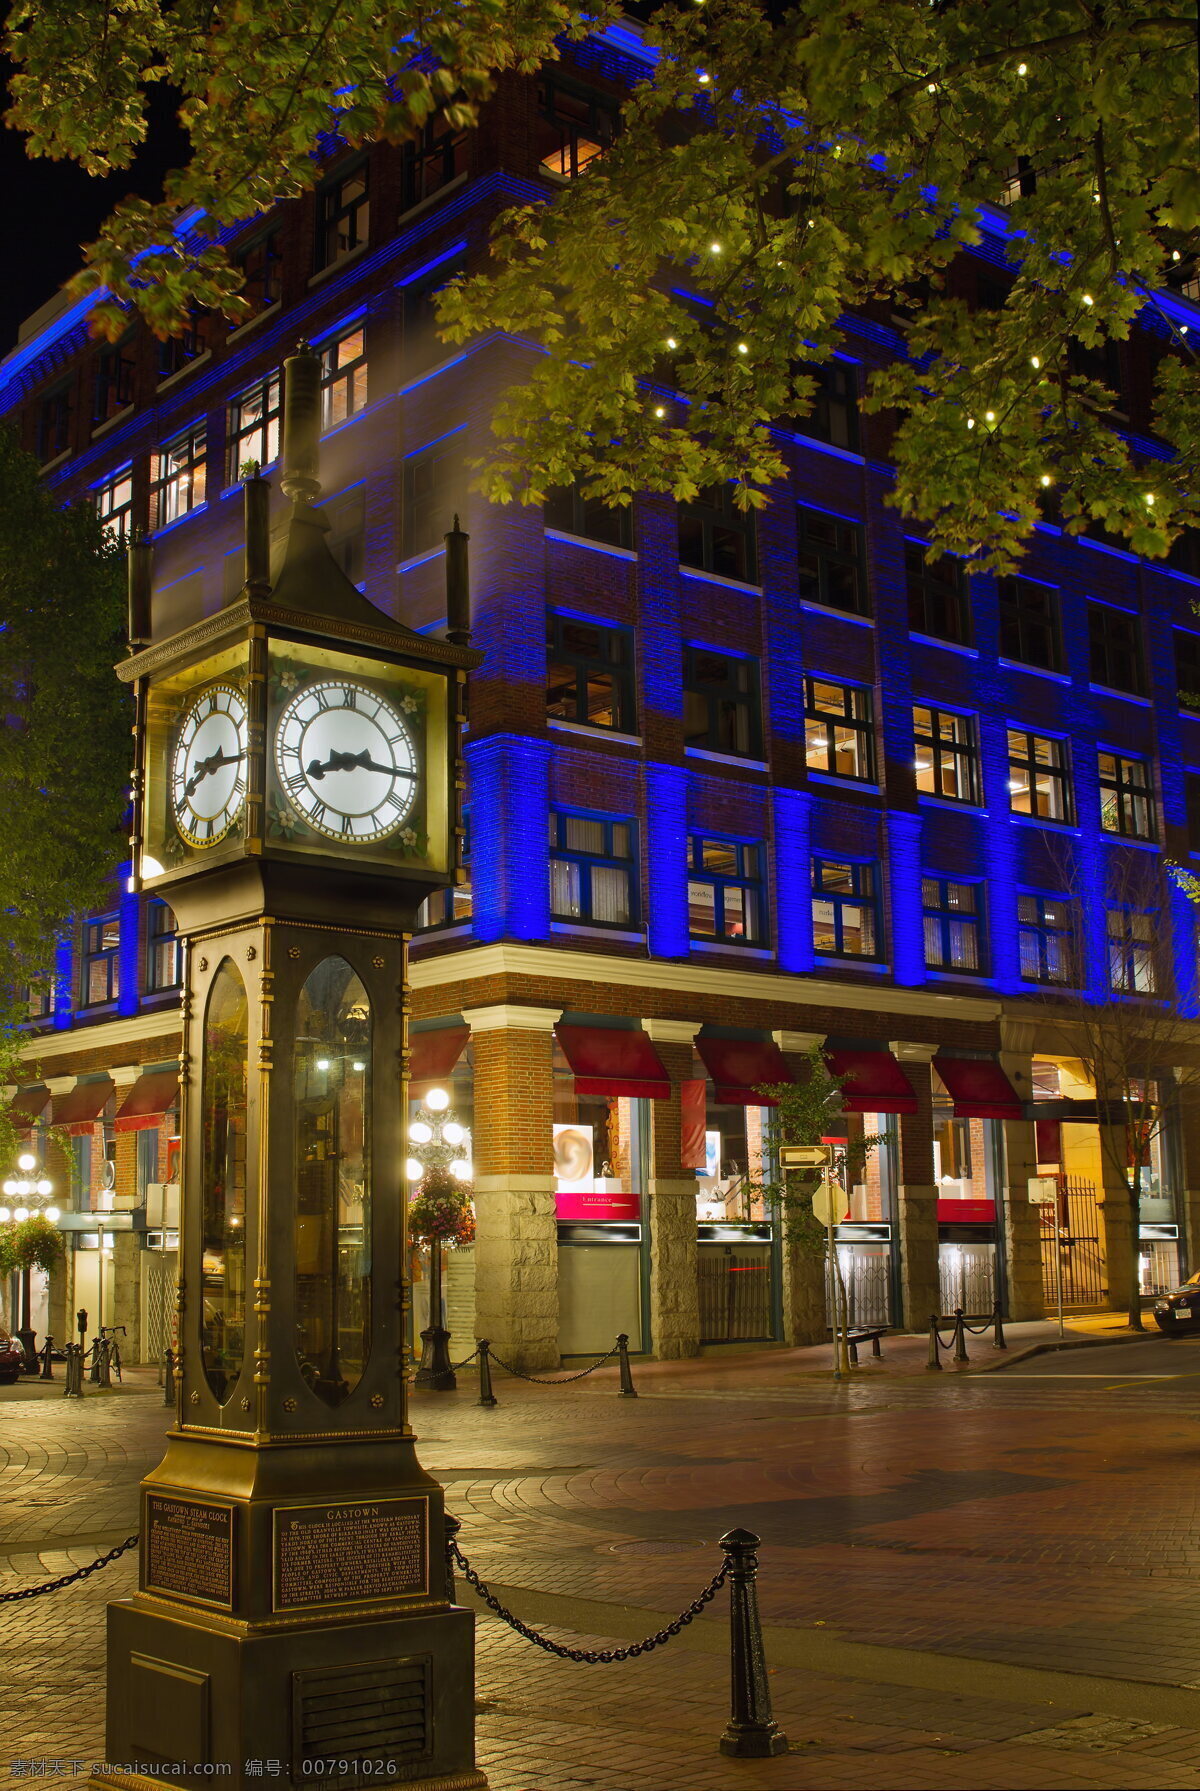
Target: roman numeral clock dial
208 766
345 759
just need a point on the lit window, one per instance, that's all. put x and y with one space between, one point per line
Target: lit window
1039 776
946 755
114 504
726 891
574 126
845 908
592 869
254 423
101 980
1126 797
953 924
177 475
839 730
343 378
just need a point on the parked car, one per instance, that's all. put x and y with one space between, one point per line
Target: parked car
1180 1310
12 1360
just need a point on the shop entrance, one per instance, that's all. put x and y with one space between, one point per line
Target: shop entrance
733 1278
1071 1229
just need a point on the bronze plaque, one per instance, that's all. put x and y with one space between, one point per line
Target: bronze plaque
189 1549
351 1553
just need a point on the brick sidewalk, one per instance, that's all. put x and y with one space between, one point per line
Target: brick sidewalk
915 1532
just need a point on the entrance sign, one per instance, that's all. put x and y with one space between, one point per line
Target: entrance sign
1043 1190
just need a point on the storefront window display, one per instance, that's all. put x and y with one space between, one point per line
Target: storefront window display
598 1151
866 1236
736 1163
967 1175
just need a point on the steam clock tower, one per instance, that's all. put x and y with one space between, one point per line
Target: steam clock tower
296 799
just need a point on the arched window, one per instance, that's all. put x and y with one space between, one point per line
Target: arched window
223 1181
332 1073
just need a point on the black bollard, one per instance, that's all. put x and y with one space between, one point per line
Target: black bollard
47 1373
74 1377
453 1526
628 1390
486 1396
960 1336
750 1733
998 1328
169 1378
934 1344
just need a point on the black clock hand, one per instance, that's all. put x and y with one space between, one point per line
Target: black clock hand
350 761
214 762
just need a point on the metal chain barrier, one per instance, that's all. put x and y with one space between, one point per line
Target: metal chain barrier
993 1322
69 1579
565 1380
465 1363
590 1657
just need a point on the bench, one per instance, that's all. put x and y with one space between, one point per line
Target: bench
866 1334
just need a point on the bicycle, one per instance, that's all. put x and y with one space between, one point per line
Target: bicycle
108 1336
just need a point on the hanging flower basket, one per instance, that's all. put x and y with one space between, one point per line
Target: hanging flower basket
441 1210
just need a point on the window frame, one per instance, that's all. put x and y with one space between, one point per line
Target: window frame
188 477
93 952
928 596
156 940
269 281
193 342
1120 796
1132 950
751 884
745 703
263 434
55 414
621 671
113 379
117 520
436 141
1030 765
1107 655
560 851
571 513
1190 700
446 497
332 212
603 116
862 725
1020 623
829 557
862 870
820 423
963 755
713 517
349 377
947 917
1042 930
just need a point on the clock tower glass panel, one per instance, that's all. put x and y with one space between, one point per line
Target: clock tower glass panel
223 1182
331 1085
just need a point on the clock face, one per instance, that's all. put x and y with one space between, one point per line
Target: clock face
208 768
346 760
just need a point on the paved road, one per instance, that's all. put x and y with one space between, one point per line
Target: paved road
967 1582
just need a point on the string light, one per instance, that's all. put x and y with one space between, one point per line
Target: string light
714 248
932 87
671 342
659 411
704 80
1046 479
743 348
989 416
1175 255
1022 68
1150 497
1088 299
970 422
1035 361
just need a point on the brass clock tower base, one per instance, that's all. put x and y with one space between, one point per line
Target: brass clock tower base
296 799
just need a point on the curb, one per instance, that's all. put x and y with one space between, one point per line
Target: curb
1054 1344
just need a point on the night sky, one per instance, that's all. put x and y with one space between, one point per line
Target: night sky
51 208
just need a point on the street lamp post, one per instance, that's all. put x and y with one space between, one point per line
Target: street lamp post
439 1151
33 1197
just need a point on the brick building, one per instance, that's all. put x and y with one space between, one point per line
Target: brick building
737 786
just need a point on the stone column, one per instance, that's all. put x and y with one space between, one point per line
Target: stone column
1022 1222
1118 1228
516 1238
916 1195
805 1319
1188 1199
674 1317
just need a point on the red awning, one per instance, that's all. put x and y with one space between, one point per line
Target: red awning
434 1054
150 1097
78 1110
876 1084
740 1066
27 1107
978 1088
607 1061
966 1212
